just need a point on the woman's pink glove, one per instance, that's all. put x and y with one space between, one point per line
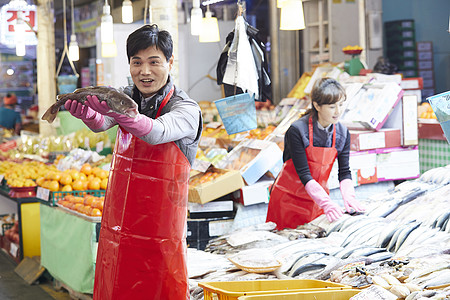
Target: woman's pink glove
349 197
138 126
318 194
91 118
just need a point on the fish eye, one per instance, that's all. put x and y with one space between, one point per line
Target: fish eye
121 102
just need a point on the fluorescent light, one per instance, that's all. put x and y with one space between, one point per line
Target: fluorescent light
127 12
74 50
196 18
106 27
280 3
210 29
292 17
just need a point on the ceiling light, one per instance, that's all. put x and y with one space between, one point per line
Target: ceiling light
196 18
292 17
210 29
74 50
106 27
127 12
19 30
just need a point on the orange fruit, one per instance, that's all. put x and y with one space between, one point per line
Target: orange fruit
87 210
103 174
77 185
40 180
65 179
94 184
86 169
104 183
53 185
78 206
67 188
88 199
83 176
96 171
96 212
75 174
85 184
56 176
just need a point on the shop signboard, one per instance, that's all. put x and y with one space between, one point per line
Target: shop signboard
8 20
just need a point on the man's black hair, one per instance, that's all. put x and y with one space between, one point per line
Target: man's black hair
147 36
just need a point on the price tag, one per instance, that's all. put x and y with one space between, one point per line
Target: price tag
13 249
42 193
86 143
99 147
1 178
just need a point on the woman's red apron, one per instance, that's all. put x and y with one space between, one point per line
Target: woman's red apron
142 245
290 205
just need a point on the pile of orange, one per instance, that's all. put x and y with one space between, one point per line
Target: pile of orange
426 111
87 178
88 204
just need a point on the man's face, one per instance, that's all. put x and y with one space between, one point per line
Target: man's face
150 70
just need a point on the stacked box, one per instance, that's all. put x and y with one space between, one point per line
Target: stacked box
425 68
401 46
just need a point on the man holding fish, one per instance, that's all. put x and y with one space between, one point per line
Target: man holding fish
142 245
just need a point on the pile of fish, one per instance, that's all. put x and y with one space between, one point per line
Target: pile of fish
401 244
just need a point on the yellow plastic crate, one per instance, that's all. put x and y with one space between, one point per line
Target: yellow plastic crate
231 290
315 295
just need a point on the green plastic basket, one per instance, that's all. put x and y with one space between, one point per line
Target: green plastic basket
54 197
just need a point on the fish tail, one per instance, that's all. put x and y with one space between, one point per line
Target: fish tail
51 113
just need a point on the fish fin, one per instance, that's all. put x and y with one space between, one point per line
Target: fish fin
49 115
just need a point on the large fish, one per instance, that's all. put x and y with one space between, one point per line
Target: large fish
117 101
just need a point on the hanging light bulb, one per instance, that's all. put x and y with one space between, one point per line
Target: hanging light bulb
292 17
210 28
280 3
106 27
74 50
127 12
448 24
196 18
109 49
19 30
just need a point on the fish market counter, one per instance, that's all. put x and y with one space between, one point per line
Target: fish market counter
69 247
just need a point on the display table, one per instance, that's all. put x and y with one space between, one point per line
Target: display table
27 210
69 248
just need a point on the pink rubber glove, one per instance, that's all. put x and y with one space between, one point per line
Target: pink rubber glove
138 126
349 197
318 194
91 118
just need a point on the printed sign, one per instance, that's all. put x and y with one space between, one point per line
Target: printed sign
8 21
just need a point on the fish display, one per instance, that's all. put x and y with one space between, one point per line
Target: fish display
398 249
117 101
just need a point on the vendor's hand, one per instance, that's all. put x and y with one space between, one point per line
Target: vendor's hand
349 197
332 211
318 194
100 107
91 118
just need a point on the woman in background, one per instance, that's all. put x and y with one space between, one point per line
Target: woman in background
312 143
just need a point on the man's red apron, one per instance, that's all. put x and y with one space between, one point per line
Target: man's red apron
290 205
142 245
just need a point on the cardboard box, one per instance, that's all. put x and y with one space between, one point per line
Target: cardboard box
254 158
228 182
398 163
371 105
369 139
255 193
